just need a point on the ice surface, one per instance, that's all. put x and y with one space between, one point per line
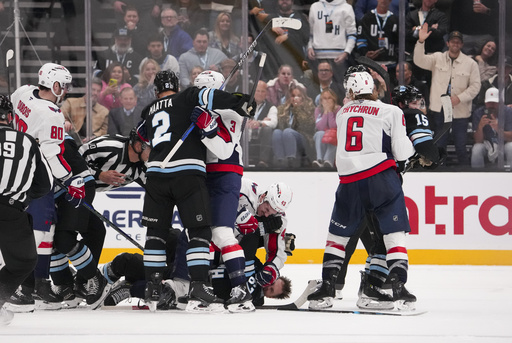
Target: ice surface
464 303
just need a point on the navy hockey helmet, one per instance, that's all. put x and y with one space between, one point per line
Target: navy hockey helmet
5 108
405 95
138 134
166 80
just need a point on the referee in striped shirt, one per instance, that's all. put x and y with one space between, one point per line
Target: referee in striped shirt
25 175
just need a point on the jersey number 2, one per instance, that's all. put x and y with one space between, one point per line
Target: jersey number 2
354 141
161 122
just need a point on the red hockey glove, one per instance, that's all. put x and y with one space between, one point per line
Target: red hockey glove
76 191
204 120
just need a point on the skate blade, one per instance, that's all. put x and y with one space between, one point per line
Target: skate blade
19 308
69 304
47 306
197 306
403 305
242 308
339 294
321 304
97 304
371 304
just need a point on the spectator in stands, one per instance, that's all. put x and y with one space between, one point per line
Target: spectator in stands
223 38
190 16
286 45
292 139
113 81
332 35
362 7
323 79
457 75
437 22
155 48
137 32
325 123
378 35
123 119
74 110
145 89
234 84
493 82
410 79
261 126
200 55
487 60
279 87
194 72
485 127
123 53
148 10
476 20
176 41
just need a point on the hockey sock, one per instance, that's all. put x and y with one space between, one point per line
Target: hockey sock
81 258
378 270
198 259
180 269
334 254
59 269
42 269
397 259
154 251
233 257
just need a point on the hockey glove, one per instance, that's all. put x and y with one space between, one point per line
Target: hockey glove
271 224
204 120
289 242
267 276
246 223
76 191
248 109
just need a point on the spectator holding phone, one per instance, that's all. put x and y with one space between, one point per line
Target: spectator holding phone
113 81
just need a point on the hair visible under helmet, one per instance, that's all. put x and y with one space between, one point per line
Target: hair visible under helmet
51 73
5 109
405 95
166 80
359 83
279 196
210 79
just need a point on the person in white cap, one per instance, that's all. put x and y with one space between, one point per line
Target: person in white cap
485 124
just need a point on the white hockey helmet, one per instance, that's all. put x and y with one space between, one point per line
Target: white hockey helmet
51 73
279 196
210 79
360 83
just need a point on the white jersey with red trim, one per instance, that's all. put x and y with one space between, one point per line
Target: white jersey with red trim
44 121
274 242
224 151
371 136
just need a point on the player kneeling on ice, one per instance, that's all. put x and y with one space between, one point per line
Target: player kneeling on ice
371 138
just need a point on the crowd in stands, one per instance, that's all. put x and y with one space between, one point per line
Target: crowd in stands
450 48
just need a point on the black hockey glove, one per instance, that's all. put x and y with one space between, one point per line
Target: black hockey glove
272 224
289 242
246 109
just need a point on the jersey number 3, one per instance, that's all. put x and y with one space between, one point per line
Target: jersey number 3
354 141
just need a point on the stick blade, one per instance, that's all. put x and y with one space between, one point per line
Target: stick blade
446 102
289 23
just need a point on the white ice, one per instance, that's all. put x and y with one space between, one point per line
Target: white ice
464 304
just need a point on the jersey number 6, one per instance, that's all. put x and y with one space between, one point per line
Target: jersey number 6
354 141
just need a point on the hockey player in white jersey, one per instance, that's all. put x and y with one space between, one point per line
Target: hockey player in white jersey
224 168
262 214
37 114
371 138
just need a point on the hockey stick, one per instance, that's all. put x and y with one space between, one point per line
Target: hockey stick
253 91
368 62
301 300
8 57
367 312
103 218
289 23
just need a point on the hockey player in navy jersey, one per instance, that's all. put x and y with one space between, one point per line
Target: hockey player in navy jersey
180 182
371 137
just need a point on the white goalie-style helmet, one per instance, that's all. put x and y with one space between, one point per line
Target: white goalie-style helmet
210 79
51 73
360 83
279 196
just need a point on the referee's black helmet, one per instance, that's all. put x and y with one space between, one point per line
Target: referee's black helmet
5 108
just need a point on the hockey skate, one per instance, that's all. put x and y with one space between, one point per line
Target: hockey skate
45 297
153 291
373 297
120 291
203 299
241 300
68 296
323 297
108 273
97 289
404 300
5 316
21 301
